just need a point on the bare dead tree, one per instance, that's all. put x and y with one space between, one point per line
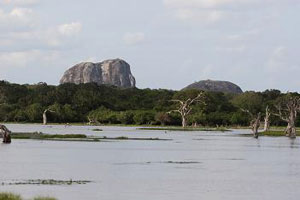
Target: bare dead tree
6 134
45 115
185 107
255 122
92 121
288 111
267 119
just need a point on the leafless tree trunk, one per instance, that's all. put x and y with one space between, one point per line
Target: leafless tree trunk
185 107
255 123
288 112
267 119
6 134
45 116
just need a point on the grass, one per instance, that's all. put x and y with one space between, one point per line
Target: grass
48 182
41 136
65 137
44 198
221 129
11 196
127 138
97 130
72 137
275 133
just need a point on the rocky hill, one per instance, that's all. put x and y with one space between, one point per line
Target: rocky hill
110 72
216 86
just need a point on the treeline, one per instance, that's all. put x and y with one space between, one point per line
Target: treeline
112 105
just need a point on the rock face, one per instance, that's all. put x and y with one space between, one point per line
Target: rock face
216 86
110 72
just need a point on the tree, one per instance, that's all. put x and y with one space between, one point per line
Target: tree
267 119
5 134
163 118
255 122
33 112
45 115
126 117
185 108
252 104
288 108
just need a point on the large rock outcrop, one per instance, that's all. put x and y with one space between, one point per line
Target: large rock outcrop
216 86
109 72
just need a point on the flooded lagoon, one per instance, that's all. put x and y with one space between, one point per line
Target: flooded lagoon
190 165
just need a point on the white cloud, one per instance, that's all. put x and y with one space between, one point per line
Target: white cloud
133 38
216 10
17 18
70 29
208 16
20 2
201 3
18 59
206 11
278 59
21 59
232 49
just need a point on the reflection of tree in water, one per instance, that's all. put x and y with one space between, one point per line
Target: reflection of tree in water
294 144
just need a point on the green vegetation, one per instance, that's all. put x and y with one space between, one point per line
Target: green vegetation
42 136
44 198
72 137
185 129
48 182
111 105
97 130
275 133
127 138
11 196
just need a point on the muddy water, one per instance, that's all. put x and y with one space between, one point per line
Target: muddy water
192 165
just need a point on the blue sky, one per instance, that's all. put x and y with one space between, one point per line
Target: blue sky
168 43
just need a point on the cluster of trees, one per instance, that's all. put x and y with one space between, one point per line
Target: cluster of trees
107 104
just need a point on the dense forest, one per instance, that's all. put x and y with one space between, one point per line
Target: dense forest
111 105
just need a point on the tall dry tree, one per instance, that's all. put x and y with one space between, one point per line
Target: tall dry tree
185 108
287 111
255 122
6 134
267 119
45 121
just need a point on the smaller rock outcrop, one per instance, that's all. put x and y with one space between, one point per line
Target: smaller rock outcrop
216 86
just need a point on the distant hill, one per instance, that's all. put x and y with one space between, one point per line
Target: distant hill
216 86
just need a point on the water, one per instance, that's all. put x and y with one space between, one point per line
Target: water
193 165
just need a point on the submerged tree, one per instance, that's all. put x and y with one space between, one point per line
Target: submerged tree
288 108
255 122
45 115
5 134
185 108
267 119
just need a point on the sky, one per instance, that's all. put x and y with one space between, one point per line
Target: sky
168 43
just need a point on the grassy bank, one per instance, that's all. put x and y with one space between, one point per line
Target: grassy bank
11 196
276 133
74 137
37 135
56 137
184 129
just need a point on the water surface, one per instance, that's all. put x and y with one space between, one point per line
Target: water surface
192 165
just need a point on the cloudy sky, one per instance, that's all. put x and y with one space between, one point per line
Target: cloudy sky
168 43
